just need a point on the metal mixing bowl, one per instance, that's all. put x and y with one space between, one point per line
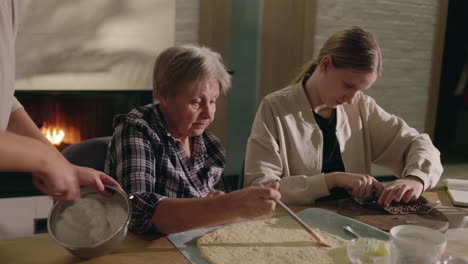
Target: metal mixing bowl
102 247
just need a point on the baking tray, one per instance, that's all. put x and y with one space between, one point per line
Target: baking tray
325 220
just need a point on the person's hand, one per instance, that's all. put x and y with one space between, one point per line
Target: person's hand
57 178
91 177
61 180
215 193
254 202
358 185
406 190
275 185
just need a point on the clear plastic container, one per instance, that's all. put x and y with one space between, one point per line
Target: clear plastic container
368 251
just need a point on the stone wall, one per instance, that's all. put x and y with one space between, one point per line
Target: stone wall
405 31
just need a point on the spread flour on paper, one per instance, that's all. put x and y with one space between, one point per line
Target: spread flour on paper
270 241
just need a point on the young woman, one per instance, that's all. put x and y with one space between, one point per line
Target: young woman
322 132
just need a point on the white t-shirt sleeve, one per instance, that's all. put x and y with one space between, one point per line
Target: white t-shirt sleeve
15 105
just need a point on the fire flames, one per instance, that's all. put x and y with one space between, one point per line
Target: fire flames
54 135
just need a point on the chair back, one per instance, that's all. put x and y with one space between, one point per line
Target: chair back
89 153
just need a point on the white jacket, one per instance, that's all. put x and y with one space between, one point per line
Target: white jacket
286 144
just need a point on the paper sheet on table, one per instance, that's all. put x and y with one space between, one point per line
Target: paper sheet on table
456 184
457 191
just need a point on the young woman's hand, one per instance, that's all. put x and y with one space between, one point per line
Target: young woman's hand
407 189
358 185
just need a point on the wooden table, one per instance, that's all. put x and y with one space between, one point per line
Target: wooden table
135 249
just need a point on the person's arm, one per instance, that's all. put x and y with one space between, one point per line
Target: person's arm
264 163
410 155
133 155
21 124
175 215
20 153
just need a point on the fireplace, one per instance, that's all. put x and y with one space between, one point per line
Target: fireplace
69 117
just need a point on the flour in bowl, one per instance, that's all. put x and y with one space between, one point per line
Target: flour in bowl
90 220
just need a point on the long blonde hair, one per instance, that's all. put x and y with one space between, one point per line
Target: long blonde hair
352 48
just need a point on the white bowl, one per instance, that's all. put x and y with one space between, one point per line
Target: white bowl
86 247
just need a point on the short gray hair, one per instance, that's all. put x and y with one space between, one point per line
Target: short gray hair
180 65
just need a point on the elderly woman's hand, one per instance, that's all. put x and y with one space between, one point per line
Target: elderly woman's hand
254 202
407 189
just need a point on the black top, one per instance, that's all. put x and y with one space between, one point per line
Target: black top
331 154
331 148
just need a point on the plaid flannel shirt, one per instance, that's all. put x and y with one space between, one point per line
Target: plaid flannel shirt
151 165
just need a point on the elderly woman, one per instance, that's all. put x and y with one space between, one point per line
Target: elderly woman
168 163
